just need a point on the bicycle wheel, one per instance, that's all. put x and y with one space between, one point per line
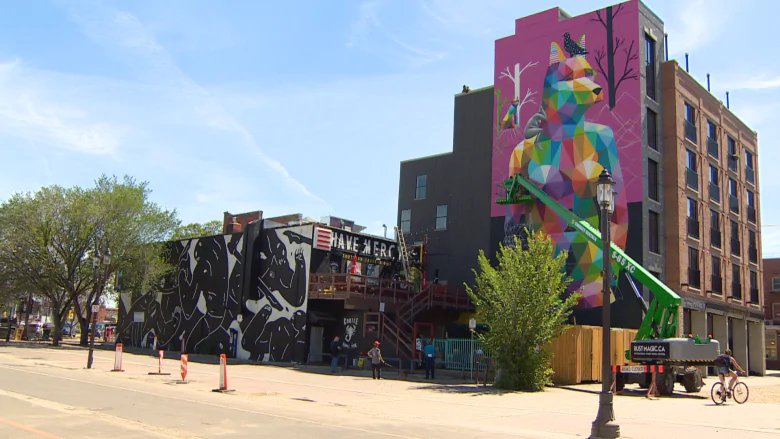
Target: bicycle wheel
718 393
740 392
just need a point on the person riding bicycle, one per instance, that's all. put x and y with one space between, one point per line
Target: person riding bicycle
727 365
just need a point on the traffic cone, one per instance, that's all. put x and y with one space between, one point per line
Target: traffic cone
223 382
159 364
118 358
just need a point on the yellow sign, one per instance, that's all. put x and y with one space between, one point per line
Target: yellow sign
70 315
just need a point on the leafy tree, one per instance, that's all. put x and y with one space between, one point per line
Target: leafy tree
130 227
33 252
48 240
522 301
195 230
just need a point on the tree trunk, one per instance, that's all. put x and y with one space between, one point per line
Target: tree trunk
84 325
55 337
610 59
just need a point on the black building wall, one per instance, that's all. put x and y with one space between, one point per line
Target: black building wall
461 180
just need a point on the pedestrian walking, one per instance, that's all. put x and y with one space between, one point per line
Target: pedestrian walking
335 353
376 361
430 359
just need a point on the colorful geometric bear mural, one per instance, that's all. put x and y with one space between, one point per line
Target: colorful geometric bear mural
563 145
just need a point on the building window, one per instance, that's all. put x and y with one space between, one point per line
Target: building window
406 221
714 184
733 200
717 280
420 189
650 66
652 179
691 177
690 122
736 282
441 217
652 129
735 248
693 218
714 228
753 287
654 242
775 284
694 274
712 139
732 154
750 173
752 248
751 206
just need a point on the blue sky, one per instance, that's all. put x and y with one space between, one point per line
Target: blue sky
304 106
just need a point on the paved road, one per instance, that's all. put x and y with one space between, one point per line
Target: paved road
46 393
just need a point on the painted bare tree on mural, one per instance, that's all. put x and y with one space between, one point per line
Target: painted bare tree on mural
511 118
614 44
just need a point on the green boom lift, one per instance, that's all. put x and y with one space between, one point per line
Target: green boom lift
656 341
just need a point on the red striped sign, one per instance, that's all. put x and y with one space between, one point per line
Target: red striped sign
322 238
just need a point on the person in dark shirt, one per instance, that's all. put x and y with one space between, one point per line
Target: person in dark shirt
727 365
335 353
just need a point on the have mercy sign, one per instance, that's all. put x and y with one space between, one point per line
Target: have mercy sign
367 246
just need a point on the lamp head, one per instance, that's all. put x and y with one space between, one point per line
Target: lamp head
605 193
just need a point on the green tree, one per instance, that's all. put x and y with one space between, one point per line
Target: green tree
48 240
34 230
523 302
196 230
132 228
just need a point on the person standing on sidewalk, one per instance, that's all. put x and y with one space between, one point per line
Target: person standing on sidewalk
430 359
376 361
335 353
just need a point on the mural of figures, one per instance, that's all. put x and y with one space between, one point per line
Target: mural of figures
205 304
274 324
199 303
564 141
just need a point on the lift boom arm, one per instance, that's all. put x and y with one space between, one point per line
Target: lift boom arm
660 320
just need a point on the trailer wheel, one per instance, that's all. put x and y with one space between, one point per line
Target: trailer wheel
644 380
692 380
665 382
620 381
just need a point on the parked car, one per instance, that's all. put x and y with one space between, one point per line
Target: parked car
70 329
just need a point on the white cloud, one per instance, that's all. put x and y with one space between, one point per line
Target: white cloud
696 24
368 19
31 109
120 30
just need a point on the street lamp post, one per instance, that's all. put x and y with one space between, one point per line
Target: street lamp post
100 263
604 425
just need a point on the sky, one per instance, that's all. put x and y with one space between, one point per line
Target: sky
302 107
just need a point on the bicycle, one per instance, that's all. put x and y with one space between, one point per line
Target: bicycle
739 392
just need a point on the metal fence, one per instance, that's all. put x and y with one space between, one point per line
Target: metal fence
462 354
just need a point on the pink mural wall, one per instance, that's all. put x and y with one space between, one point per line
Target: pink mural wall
566 107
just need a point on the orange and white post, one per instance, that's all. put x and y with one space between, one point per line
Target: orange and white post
161 355
118 358
184 360
223 381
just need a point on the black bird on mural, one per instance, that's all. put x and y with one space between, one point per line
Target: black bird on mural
574 47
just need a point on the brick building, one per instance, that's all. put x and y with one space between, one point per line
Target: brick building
772 311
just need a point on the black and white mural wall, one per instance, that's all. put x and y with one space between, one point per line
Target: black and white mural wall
199 304
274 310
214 304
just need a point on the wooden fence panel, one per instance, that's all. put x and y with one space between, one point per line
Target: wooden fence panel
576 353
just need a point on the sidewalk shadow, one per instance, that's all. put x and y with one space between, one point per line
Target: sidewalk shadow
467 389
637 393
